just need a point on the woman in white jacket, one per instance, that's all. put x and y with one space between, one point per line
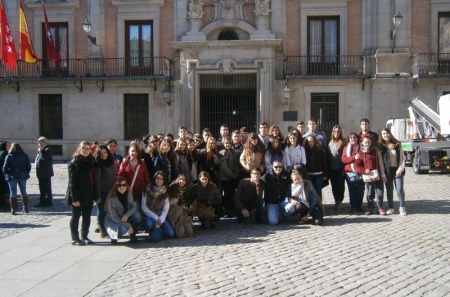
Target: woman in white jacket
155 206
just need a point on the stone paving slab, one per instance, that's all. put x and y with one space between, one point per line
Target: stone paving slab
352 255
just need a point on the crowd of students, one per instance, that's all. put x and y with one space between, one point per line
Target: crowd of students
164 181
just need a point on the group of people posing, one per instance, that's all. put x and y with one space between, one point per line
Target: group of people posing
164 182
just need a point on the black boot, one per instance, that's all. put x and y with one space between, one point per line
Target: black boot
13 203
25 204
133 238
85 239
76 240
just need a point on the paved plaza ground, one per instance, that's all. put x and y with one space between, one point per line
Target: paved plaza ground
352 255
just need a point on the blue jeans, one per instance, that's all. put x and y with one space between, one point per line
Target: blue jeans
134 220
13 187
273 213
157 234
337 181
317 181
398 182
356 192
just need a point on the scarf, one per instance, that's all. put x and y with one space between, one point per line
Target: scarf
123 199
157 191
298 192
348 153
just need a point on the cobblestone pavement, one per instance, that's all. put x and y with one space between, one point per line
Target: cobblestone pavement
352 255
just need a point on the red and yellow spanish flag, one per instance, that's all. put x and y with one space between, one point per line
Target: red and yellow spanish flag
26 48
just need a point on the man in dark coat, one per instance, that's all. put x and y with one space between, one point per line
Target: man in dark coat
4 188
249 196
44 172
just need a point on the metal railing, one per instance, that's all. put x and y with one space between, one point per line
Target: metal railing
151 67
431 64
341 65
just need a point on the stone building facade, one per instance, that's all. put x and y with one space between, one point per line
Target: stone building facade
223 61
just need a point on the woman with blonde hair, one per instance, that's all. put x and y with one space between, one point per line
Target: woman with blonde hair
337 178
122 215
209 160
80 192
253 155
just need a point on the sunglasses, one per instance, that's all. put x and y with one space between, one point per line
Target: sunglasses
121 185
277 167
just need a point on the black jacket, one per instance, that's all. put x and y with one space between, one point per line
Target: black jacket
17 166
276 187
81 184
44 163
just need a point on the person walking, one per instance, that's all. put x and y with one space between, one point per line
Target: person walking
44 172
16 170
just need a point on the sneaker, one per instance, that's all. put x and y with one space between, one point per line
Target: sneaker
402 211
390 211
381 211
368 212
97 230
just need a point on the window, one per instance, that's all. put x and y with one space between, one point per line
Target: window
323 45
228 34
136 115
325 109
139 47
50 116
444 32
60 34
444 42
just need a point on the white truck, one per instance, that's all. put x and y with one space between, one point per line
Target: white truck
425 136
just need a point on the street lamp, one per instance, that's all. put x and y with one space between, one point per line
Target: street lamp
166 94
87 26
396 20
286 93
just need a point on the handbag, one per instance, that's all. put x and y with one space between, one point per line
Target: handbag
373 176
203 212
183 227
354 176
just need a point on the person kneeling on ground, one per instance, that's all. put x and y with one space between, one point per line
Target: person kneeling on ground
206 200
155 206
122 214
249 196
302 199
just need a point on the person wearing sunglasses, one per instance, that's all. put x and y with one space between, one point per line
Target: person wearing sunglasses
80 192
122 214
277 184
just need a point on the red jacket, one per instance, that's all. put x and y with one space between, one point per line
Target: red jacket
349 160
142 178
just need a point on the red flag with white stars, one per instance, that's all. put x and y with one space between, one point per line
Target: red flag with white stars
9 54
